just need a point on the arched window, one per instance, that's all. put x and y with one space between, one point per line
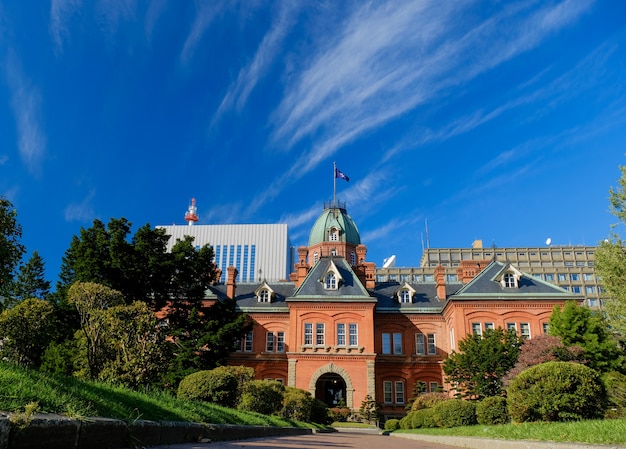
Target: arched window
509 280
264 296
334 235
404 296
331 281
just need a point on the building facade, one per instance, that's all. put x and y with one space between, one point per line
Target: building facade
337 330
258 251
571 267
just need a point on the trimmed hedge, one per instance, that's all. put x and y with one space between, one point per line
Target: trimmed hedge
492 410
455 413
392 424
428 400
556 391
262 396
221 385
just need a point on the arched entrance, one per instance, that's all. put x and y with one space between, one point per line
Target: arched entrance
330 388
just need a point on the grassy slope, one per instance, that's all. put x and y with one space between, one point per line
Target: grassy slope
78 399
610 431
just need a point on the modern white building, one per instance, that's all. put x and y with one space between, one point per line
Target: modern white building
258 251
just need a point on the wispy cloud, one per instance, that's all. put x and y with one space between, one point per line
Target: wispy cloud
387 59
82 211
206 12
26 104
60 14
248 77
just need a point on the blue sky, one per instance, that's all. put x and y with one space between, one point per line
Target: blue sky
500 121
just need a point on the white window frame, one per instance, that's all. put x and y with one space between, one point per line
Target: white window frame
308 334
353 334
270 342
399 396
420 344
320 334
524 329
404 296
387 392
432 344
330 282
341 334
280 341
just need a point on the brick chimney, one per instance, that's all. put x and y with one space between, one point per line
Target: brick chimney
302 269
231 284
469 269
440 278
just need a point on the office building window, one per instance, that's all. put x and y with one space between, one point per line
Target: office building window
381 278
244 274
392 343
432 346
247 342
388 391
489 326
252 262
341 334
352 258
587 276
399 392
354 334
525 330
590 289
576 289
574 277
562 277
269 342
319 334
592 302
417 278
280 342
549 277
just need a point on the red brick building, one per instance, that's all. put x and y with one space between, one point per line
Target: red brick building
334 331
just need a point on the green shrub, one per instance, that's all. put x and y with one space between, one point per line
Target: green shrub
392 424
492 410
615 384
262 396
405 423
455 413
221 385
299 405
556 391
427 400
424 418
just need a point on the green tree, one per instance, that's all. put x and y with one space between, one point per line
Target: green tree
28 329
369 409
91 300
579 326
477 370
11 249
31 279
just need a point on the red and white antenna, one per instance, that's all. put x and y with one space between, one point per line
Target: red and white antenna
191 216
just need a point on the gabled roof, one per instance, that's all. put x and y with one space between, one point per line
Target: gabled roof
350 287
424 299
487 285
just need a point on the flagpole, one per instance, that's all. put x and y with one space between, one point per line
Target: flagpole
334 184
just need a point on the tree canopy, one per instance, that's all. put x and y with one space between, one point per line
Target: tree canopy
11 248
481 363
579 326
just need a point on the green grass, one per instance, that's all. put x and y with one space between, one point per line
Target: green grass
79 399
609 431
353 425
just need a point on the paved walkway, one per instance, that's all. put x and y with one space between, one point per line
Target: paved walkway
345 439
372 439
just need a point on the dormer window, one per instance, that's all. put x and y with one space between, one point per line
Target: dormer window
334 235
331 281
509 281
331 278
352 258
404 294
509 277
264 293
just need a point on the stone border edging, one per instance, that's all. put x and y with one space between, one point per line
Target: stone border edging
58 432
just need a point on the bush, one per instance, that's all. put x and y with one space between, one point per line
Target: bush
221 385
392 424
428 400
492 410
556 391
405 423
424 418
340 414
615 384
320 413
455 413
262 396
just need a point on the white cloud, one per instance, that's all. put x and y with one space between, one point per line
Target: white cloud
248 77
82 211
26 104
205 14
60 14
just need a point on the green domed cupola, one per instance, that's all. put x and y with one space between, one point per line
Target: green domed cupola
334 225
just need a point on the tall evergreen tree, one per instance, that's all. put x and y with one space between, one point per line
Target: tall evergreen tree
579 326
477 370
11 249
31 279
